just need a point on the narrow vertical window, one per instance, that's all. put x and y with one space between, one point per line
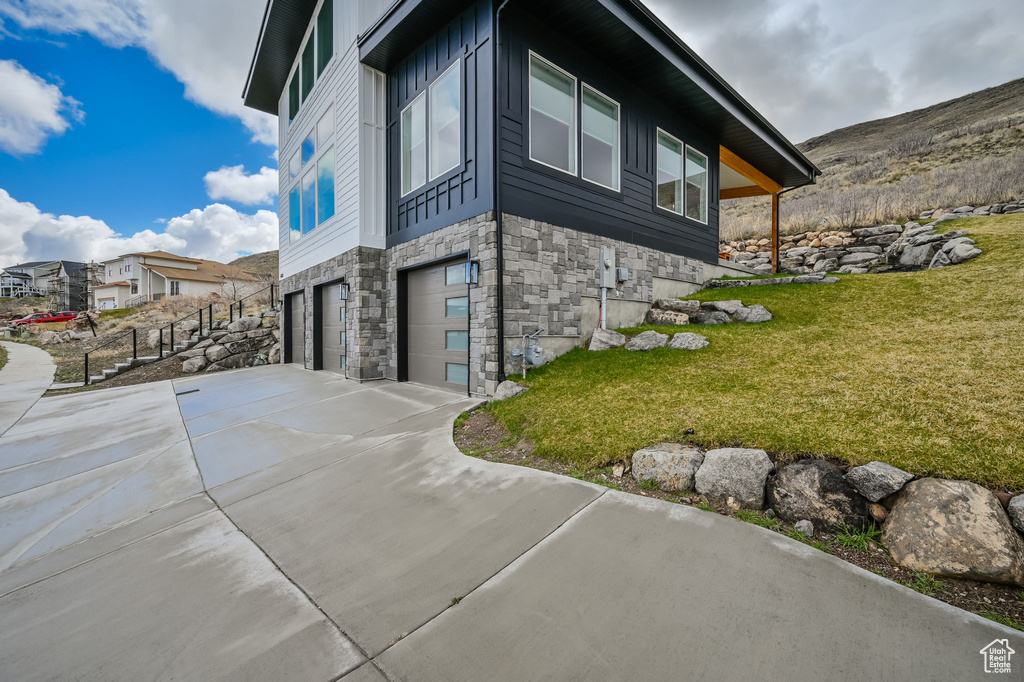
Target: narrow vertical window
294 165
552 116
325 128
446 121
670 173
308 147
696 185
414 145
307 67
325 186
324 36
309 201
293 97
294 214
600 139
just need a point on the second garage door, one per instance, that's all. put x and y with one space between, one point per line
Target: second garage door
333 342
297 328
438 326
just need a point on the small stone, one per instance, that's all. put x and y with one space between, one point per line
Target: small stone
606 339
753 314
648 340
708 317
727 307
688 341
878 480
805 527
877 512
1016 511
618 469
509 389
769 514
663 318
1004 498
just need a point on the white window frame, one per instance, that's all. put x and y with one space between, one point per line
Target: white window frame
457 64
682 174
707 169
320 147
618 139
575 113
311 34
426 140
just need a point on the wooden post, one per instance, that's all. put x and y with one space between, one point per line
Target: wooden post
775 233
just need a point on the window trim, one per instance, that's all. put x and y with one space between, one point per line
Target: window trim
682 173
707 186
401 140
618 139
457 64
311 35
575 113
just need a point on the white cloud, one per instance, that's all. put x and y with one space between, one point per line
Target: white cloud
217 232
207 45
234 184
31 110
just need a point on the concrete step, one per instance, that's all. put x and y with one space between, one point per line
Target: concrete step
107 373
121 366
93 380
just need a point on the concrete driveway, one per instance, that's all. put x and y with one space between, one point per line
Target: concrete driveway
275 523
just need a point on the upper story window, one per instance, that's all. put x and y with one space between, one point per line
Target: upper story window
311 200
314 57
676 161
431 131
557 102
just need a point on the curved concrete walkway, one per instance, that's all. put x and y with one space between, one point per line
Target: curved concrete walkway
275 523
23 380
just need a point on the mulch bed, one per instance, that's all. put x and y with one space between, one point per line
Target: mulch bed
484 437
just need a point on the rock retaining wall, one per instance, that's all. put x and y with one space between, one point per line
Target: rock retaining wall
247 341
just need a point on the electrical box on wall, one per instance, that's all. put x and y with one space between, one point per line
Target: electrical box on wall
606 269
622 274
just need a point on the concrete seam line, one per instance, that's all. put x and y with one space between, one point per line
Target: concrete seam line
526 551
105 554
319 450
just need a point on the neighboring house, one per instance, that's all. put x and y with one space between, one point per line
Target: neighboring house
26 279
136 278
443 193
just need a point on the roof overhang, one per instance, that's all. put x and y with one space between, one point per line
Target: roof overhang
281 33
405 25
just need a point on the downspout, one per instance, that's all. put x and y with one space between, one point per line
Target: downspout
496 133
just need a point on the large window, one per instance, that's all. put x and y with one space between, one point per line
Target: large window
431 131
414 145
446 122
314 57
600 139
670 173
552 116
311 200
696 185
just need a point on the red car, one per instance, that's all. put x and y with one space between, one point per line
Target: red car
43 318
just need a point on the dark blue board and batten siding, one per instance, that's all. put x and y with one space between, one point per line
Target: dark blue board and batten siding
467 190
534 191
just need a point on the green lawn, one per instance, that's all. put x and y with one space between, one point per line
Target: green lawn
923 370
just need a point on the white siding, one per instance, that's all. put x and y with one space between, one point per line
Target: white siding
358 146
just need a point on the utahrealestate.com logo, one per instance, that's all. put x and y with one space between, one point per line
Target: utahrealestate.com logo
997 656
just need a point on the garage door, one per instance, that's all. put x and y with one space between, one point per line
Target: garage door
297 327
438 326
332 320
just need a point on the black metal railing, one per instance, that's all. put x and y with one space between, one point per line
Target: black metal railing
133 333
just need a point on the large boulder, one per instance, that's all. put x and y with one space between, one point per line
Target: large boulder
752 314
648 340
688 341
193 365
671 465
217 353
738 473
47 337
675 305
606 339
509 389
663 318
727 307
245 324
917 256
876 231
816 490
858 258
1016 511
954 529
878 480
963 252
187 326
827 265
710 317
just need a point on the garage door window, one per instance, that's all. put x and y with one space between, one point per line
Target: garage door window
455 274
457 307
457 340
457 374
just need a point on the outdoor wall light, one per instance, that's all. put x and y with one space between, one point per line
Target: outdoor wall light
473 272
343 292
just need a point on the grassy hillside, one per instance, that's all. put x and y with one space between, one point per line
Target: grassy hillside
261 263
916 369
968 150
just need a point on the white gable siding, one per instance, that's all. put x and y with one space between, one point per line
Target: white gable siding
358 146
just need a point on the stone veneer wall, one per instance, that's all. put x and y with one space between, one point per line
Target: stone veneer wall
550 270
478 236
364 270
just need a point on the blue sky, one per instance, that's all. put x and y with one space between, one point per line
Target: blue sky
142 150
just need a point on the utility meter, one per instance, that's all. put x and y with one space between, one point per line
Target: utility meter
606 269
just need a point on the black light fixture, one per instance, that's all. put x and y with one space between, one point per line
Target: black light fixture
343 292
473 272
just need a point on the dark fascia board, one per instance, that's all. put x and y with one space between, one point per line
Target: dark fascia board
281 33
701 73
405 23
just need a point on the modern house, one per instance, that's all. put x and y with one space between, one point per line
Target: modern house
455 175
26 279
137 278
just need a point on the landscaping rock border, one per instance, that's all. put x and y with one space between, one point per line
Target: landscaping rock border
244 342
